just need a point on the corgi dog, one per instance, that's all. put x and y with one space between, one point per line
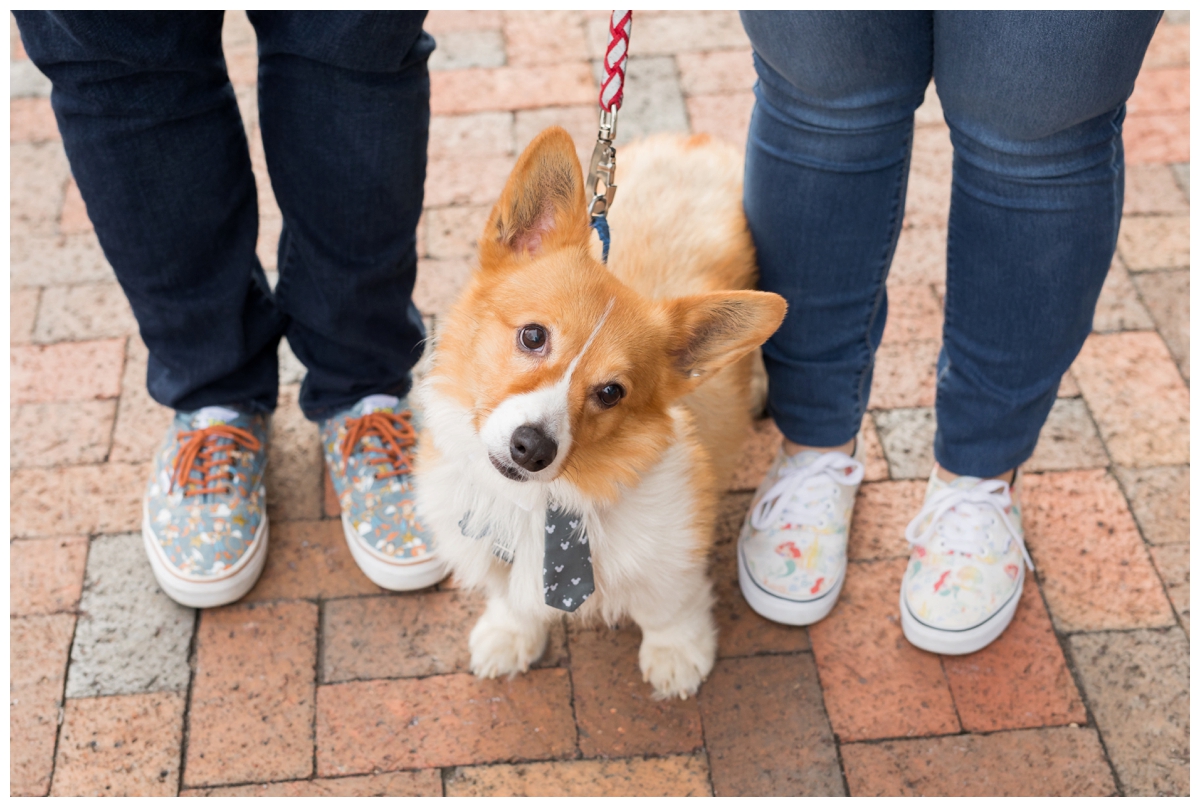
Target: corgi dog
617 394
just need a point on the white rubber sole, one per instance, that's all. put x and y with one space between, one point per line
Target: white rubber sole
206 593
783 611
391 575
959 642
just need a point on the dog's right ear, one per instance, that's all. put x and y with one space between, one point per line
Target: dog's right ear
709 331
542 207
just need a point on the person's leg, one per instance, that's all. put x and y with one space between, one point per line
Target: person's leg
826 172
344 111
1035 103
151 128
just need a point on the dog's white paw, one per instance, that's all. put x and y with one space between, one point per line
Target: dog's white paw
675 670
498 650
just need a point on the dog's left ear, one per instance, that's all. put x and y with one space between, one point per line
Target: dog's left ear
542 207
710 331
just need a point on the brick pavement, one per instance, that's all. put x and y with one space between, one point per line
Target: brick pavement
321 684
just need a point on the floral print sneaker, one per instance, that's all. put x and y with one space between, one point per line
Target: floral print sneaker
204 523
792 549
967 567
368 449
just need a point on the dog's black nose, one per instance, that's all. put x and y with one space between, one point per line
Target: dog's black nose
532 448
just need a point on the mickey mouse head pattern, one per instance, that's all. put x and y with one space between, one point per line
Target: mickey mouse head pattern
567 568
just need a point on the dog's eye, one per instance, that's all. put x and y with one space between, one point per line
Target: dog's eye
609 394
533 337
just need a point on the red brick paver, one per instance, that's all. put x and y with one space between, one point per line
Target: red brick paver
1019 681
77 499
402 783
320 683
1151 189
1136 395
905 374
309 559
440 721
881 513
1154 242
550 37
141 422
876 684
1174 567
32 120
23 305
1043 762
667 776
52 434
71 371
1096 571
122 746
252 697
1157 138
74 217
712 72
480 90
38 646
766 730
402 637
46 575
295 463
616 710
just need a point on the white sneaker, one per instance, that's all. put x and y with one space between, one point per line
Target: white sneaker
792 549
967 567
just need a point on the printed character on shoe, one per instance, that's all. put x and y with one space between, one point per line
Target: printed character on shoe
967 566
792 549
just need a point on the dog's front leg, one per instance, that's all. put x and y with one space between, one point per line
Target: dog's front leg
505 641
679 634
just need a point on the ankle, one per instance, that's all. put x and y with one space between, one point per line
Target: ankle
792 449
1009 476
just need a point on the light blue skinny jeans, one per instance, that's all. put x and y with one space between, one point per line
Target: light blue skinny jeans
1035 103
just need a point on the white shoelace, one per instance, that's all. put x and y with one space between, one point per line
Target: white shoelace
797 488
964 515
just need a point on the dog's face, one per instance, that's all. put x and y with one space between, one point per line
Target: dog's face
565 370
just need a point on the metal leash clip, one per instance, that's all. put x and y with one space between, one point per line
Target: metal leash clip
603 166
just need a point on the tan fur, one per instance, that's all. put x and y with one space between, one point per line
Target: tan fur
680 326
679 229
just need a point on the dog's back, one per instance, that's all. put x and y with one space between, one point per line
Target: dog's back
678 228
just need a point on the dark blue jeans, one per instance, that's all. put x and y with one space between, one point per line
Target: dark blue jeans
151 128
1035 103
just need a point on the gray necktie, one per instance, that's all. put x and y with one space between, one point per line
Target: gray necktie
567 579
567 569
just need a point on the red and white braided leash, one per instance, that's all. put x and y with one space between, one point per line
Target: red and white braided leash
612 89
612 93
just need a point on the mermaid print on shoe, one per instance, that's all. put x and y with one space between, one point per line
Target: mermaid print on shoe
967 567
792 548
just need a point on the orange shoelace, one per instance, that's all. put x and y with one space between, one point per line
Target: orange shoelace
196 454
397 434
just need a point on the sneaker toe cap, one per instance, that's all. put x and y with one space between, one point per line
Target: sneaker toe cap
954 600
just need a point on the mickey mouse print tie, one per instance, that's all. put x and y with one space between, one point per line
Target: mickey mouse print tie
567 568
